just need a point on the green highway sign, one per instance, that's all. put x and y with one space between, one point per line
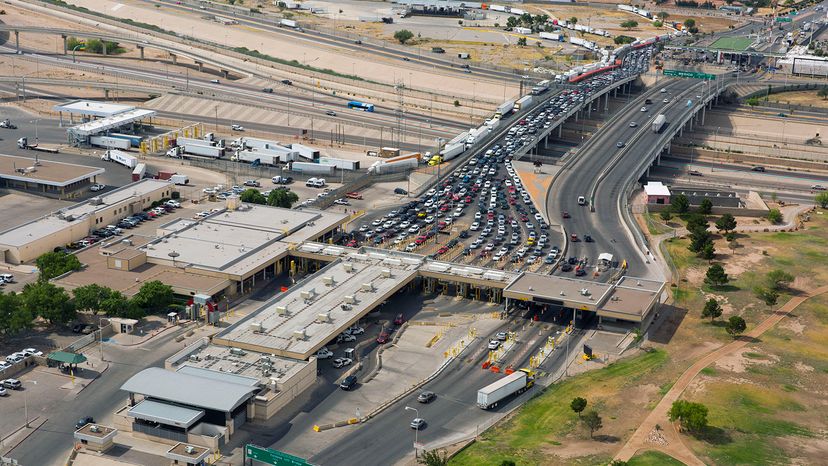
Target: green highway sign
783 19
689 74
272 457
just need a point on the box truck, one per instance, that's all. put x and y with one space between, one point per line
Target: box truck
180 179
513 384
659 123
214 152
523 102
505 108
451 151
120 157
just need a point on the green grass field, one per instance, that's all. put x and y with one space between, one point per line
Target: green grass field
531 435
653 458
731 43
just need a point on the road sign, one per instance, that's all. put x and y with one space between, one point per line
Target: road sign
689 74
783 19
272 457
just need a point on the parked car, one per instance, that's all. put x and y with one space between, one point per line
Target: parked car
342 362
324 353
12 384
348 383
252 183
84 421
97 187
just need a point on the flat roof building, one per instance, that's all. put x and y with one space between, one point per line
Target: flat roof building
45 177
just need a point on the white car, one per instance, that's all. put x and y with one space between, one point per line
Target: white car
494 344
32 352
173 204
237 127
342 362
324 353
97 187
345 337
475 226
342 201
3 392
411 247
355 330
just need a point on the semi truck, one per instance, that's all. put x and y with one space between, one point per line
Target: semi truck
659 123
134 141
513 384
139 172
289 23
540 87
110 142
23 143
523 102
451 151
399 165
214 152
120 157
505 108
305 151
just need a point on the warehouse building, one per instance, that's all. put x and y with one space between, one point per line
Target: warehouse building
45 177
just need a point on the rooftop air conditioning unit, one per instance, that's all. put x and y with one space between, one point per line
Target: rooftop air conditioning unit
94 428
300 334
367 287
323 317
281 310
349 299
584 292
307 294
96 200
256 326
328 281
386 273
348 267
189 449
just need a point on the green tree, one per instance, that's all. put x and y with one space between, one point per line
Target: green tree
699 239
592 421
663 15
822 199
282 198
48 301
768 296
778 279
689 23
666 215
253 196
706 207
73 42
679 204
55 264
573 20
691 416
153 296
824 94
775 216
511 22
507 463
735 325
118 305
726 223
697 222
629 24
708 251
521 41
712 309
403 35
716 276
89 297
658 24
13 316
578 404
622 39
434 458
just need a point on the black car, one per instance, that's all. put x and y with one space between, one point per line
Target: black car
84 421
349 382
573 260
77 328
588 238
287 82
565 267
400 191
142 215
758 169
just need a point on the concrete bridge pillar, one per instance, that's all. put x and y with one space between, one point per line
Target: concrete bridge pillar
106 94
648 172
560 130
589 109
615 93
658 157
546 141
681 131
200 66
174 58
703 112
103 43
606 102
65 39
141 50
576 116
17 40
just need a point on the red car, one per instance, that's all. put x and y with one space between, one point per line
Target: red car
442 250
383 337
574 238
565 214
399 320
352 243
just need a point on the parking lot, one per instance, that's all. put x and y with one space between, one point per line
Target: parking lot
482 214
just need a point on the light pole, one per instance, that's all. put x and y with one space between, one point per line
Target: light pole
416 431
100 329
26 403
73 52
35 121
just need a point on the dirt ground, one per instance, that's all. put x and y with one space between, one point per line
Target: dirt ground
807 98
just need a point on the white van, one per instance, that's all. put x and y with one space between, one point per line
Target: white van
317 182
311 182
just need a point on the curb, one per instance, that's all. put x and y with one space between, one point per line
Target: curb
178 327
36 421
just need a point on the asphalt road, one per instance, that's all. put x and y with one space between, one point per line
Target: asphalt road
50 443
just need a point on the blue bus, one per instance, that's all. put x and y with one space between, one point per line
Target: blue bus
361 105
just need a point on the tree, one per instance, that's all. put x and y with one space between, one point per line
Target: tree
680 204
767 295
726 223
823 93
822 199
578 404
697 222
778 279
708 251
663 15
55 264
403 35
282 198
699 239
689 23
691 416
735 325
658 24
706 207
629 24
666 215
573 20
775 216
90 297
622 39
48 301
716 276
13 316
434 458
253 196
507 463
712 309
521 41
118 305
511 22
153 296
592 421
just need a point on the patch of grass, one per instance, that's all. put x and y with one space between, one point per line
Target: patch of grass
708 371
547 417
653 458
754 355
750 409
665 387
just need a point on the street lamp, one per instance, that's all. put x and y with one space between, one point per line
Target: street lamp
100 329
416 431
73 52
26 403
35 121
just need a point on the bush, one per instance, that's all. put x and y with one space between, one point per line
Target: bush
775 216
403 35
